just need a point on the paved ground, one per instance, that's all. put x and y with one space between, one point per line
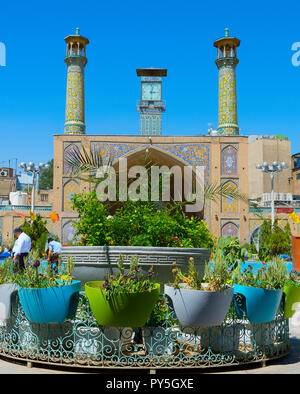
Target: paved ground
289 364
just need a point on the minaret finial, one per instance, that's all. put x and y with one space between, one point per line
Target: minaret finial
226 32
77 31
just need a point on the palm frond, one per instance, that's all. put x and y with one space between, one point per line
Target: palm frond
83 164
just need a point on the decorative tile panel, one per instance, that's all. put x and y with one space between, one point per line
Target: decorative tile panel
229 161
191 154
70 188
229 204
230 230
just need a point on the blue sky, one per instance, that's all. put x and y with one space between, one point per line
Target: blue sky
125 35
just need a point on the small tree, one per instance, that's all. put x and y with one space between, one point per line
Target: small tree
37 231
274 241
46 178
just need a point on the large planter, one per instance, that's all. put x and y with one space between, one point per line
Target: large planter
291 299
296 252
94 262
261 304
6 293
123 310
195 308
50 304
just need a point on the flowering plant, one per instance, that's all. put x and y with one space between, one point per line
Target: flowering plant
134 281
37 276
270 276
190 279
293 279
6 272
217 276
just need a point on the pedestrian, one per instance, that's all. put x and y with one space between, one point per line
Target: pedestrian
54 253
21 248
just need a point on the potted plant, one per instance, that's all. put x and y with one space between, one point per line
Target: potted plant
291 292
201 303
258 295
46 296
125 299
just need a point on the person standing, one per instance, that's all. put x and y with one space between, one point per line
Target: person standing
54 253
21 248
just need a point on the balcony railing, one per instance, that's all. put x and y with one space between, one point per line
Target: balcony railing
143 105
268 209
40 208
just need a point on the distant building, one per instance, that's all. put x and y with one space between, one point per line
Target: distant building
15 202
24 181
7 183
295 178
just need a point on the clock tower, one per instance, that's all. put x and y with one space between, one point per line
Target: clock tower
151 106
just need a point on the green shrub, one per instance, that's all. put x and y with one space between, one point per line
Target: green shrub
137 224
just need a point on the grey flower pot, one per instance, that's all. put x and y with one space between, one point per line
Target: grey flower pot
195 308
6 292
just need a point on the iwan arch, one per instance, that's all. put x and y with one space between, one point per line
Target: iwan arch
227 156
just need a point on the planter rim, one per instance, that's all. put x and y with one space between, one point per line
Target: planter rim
141 248
50 287
200 291
258 288
87 284
293 286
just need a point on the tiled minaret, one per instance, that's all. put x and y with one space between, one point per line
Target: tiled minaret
226 63
76 61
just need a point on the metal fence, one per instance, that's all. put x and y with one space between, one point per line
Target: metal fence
83 343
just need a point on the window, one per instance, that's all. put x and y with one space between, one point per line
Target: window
298 176
44 197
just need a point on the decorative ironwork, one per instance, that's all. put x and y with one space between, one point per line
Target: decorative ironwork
82 343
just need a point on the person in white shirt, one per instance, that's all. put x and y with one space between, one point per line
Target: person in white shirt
54 252
21 248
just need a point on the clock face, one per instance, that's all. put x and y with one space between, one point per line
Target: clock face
151 91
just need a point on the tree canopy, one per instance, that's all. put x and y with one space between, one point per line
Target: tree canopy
46 178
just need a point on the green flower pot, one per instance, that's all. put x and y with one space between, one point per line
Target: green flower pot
291 297
123 310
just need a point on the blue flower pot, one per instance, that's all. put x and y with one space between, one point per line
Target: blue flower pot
50 304
261 305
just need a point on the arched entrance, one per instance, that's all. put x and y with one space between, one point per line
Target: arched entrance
179 175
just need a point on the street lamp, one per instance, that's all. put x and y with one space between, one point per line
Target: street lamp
36 171
272 169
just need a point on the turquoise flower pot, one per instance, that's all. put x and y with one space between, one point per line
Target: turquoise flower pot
50 304
261 304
